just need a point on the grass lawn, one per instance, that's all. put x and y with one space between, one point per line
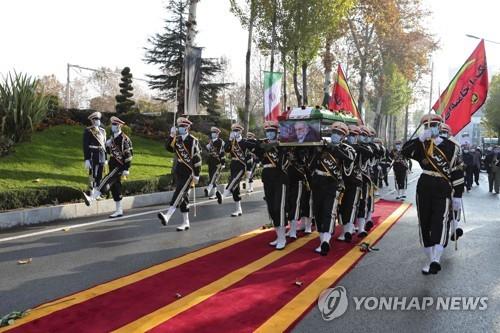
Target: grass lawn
55 157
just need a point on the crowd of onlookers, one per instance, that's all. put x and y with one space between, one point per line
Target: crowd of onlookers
473 158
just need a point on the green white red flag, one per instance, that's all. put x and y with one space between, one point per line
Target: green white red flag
341 99
272 95
466 93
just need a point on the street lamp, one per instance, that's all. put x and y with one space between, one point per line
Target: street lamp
486 40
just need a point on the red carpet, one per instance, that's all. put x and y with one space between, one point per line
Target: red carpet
241 307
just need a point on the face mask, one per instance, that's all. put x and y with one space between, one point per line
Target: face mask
398 147
115 128
336 138
182 130
362 139
215 136
435 131
351 139
236 134
368 139
444 134
97 122
271 135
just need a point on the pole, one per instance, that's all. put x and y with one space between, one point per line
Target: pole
432 82
176 101
67 86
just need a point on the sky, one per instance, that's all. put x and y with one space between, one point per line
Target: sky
41 37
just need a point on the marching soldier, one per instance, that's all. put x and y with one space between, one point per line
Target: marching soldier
383 165
237 147
439 187
216 161
400 166
365 205
456 230
251 164
378 153
119 147
186 171
327 176
94 150
353 180
275 179
299 191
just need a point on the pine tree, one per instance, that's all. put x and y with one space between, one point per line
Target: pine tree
167 51
123 101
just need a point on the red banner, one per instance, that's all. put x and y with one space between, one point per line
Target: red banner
466 93
341 99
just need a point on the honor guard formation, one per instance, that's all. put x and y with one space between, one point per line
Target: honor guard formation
313 174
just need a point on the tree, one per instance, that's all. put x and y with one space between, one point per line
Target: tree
492 107
123 100
167 49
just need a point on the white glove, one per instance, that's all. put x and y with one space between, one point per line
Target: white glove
379 168
106 162
125 173
173 131
425 135
196 179
87 166
108 143
457 204
223 166
209 146
231 136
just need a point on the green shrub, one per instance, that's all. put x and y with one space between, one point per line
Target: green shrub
54 195
22 108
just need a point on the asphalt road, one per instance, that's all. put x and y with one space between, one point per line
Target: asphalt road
65 262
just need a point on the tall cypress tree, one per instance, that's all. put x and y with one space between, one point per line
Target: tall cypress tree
167 51
123 101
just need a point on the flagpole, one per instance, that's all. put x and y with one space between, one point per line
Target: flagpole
432 84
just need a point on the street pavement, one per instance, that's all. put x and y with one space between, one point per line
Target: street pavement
84 255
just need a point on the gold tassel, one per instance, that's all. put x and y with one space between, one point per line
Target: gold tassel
430 150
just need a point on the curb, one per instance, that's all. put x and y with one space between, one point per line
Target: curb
34 216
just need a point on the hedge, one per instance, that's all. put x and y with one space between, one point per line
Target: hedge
54 195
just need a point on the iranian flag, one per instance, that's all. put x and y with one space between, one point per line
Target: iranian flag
466 93
272 95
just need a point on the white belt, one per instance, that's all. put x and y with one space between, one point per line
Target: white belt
432 173
95 147
265 166
322 173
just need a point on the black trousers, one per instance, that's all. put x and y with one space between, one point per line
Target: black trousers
296 189
112 182
400 177
349 203
183 179
324 193
366 200
213 164
382 175
476 174
275 191
433 208
96 172
237 173
469 173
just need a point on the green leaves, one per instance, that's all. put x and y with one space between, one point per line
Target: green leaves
22 106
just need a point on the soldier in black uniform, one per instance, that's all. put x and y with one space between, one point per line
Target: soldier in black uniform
382 165
119 147
327 166
365 205
400 166
439 188
251 161
216 161
298 188
237 147
351 174
275 179
94 150
378 154
186 171
456 229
